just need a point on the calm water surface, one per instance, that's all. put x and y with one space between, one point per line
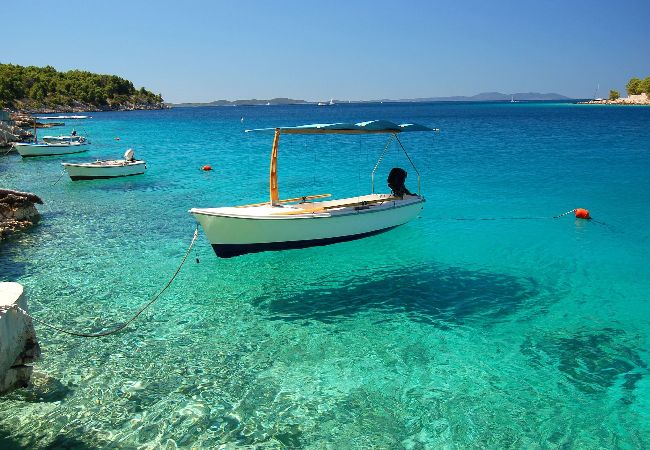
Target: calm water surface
441 333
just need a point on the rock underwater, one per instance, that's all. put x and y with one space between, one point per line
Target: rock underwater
17 211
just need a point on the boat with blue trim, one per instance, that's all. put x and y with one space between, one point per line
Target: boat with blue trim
303 222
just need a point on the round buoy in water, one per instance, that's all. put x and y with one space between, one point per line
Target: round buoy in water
117 139
582 213
206 168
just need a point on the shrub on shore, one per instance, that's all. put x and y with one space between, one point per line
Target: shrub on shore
637 86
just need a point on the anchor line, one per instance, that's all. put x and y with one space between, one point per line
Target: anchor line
11 148
135 316
60 176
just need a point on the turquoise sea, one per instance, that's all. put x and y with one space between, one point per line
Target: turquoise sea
443 333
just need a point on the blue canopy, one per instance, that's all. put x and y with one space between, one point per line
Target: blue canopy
372 126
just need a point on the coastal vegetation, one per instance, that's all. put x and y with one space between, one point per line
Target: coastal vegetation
614 94
637 86
44 89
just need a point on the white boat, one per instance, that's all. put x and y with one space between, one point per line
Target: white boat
106 168
52 148
45 149
61 138
61 117
301 222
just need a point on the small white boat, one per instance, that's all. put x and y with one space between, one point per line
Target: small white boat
299 222
45 149
61 117
106 169
61 138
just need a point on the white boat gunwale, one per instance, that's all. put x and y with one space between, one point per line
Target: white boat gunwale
25 149
360 208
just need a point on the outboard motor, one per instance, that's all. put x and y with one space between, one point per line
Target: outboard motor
396 180
129 155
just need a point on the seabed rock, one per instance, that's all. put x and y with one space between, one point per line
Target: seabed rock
17 211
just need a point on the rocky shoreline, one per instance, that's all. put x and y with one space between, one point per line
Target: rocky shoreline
79 107
641 99
17 211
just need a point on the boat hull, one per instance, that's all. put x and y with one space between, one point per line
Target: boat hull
93 172
28 150
232 250
233 236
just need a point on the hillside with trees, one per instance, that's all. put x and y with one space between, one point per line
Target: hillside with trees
44 89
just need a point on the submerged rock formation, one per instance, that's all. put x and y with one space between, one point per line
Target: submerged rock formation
17 211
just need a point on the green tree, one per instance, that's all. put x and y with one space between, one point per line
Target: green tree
633 87
644 86
614 95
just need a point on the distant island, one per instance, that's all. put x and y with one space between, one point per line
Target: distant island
483 97
491 97
250 102
44 89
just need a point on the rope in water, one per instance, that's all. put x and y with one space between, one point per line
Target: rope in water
60 176
511 218
11 148
579 212
135 316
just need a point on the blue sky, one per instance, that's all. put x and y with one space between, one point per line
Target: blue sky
203 51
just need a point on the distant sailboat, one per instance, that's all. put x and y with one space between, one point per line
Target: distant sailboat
596 93
512 99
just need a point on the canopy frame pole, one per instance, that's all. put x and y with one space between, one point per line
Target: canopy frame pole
409 158
372 175
273 175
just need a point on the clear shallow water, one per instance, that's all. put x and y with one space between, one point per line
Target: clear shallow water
443 332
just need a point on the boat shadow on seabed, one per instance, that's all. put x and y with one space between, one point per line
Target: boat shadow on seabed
442 296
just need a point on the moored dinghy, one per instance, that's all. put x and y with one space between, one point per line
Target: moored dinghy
45 149
298 222
50 148
107 168
61 138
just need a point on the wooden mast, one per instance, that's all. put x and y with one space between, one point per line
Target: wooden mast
273 179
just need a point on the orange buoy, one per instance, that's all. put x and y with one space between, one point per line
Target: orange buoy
206 168
582 213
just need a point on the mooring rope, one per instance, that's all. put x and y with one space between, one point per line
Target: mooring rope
469 219
60 176
135 316
507 218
